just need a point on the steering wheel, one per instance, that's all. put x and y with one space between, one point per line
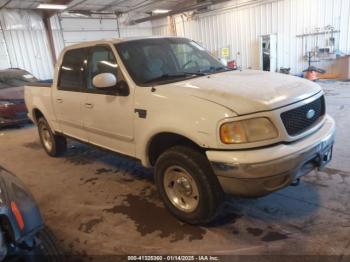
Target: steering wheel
188 63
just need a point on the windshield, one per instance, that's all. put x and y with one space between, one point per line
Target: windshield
15 78
167 60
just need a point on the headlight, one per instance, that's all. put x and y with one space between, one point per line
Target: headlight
4 103
248 131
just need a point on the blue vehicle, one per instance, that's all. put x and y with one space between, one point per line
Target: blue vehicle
23 234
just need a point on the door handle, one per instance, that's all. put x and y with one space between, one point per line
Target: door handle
59 100
89 105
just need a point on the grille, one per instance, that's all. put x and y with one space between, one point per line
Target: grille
296 121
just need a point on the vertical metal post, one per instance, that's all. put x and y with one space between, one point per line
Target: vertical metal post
118 27
61 29
171 26
49 35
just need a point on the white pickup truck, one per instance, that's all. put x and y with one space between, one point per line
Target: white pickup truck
205 129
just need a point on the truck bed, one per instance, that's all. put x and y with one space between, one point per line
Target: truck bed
38 94
43 83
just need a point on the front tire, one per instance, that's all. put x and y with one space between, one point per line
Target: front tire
46 249
188 186
49 249
54 145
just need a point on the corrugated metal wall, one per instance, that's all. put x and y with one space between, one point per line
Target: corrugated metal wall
4 59
27 45
69 30
57 35
237 28
240 28
26 41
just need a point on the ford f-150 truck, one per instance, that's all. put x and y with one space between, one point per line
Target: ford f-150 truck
206 130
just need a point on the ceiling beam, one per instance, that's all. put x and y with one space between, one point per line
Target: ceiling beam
173 12
145 4
117 2
6 3
75 5
49 13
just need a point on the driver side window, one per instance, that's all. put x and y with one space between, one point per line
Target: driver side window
101 60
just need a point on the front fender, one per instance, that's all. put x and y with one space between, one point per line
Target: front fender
15 195
170 112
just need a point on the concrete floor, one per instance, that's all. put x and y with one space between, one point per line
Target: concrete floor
97 203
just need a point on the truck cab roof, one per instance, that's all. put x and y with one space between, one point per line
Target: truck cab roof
114 41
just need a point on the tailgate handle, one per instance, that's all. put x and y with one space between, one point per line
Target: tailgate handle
89 105
59 100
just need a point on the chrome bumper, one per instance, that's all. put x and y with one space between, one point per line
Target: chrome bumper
254 173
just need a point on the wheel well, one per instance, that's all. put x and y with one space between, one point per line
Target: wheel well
6 228
37 114
161 142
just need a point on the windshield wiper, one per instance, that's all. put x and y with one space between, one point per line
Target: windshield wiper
219 69
171 76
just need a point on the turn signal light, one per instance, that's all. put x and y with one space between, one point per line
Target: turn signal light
17 215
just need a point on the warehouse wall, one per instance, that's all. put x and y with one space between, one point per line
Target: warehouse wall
57 34
71 30
240 28
237 28
4 59
26 43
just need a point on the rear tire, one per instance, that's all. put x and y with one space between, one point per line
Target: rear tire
188 186
54 145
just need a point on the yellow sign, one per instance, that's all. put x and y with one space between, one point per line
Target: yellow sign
225 52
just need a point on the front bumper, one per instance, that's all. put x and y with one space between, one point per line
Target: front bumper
13 115
13 122
258 172
12 118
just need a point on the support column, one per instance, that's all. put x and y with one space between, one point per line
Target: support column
171 26
48 29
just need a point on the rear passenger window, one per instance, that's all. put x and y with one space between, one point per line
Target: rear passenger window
72 71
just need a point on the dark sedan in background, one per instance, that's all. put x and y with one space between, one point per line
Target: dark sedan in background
12 108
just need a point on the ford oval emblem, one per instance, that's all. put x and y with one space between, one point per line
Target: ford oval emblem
310 114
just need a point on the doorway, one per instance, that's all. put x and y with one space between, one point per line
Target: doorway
268 53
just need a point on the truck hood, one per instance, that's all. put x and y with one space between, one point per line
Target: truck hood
249 91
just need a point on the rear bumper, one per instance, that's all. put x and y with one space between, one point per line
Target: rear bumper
258 172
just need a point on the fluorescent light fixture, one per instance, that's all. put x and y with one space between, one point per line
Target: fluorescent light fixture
51 6
160 11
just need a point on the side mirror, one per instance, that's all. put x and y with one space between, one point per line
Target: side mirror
104 80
